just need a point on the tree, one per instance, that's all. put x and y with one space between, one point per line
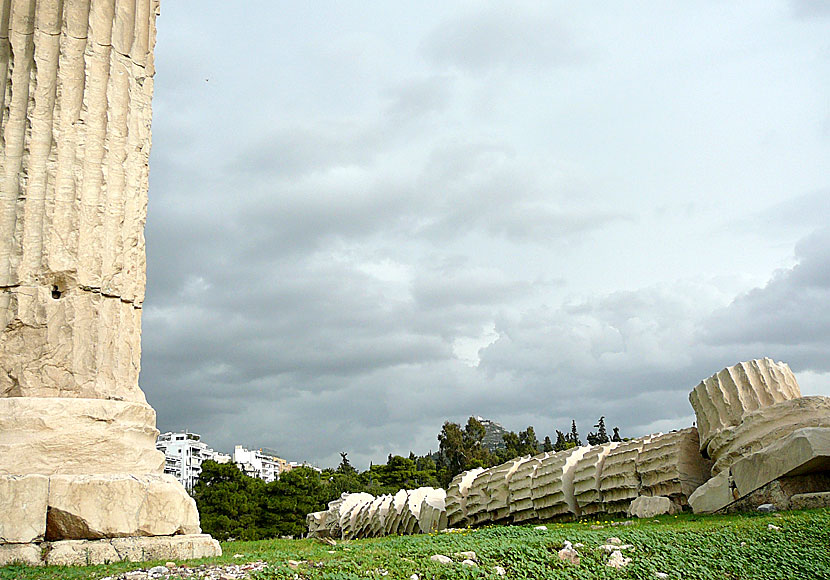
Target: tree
574 435
547 446
563 442
345 467
288 500
229 502
601 436
451 451
616 435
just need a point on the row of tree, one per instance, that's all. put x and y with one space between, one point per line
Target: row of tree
461 449
234 505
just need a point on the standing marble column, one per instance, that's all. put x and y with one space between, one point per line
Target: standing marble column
77 437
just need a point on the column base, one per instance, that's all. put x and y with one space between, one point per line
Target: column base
107 551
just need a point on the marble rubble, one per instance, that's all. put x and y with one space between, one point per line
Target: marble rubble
757 441
80 478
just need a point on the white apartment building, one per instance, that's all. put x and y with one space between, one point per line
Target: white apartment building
184 454
259 463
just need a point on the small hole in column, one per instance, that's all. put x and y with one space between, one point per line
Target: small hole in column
56 294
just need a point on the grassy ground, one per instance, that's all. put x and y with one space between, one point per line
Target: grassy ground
685 546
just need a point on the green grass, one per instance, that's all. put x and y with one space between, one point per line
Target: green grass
686 546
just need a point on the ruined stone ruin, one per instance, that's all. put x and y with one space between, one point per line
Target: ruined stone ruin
757 441
80 478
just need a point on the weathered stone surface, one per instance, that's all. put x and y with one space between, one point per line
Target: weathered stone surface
619 482
73 187
77 436
806 450
671 465
648 507
722 400
780 491
81 553
433 513
498 489
553 485
82 345
457 496
185 547
521 492
23 513
766 426
351 505
714 495
479 497
28 554
108 506
809 501
586 480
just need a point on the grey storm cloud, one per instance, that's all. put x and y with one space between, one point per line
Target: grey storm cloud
366 221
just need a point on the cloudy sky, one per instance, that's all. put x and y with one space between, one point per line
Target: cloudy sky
368 218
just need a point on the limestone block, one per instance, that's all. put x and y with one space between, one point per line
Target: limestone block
76 436
714 495
810 501
118 505
316 523
498 489
619 481
553 485
521 489
780 491
28 554
396 512
433 513
184 547
378 523
722 400
69 343
23 513
803 451
586 478
648 507
671 465
350 506
81 553
478 497
765 427
412 510
457 494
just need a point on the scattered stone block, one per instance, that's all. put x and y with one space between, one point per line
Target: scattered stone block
714 495
809 501
648 507
765 427
803 451
184 547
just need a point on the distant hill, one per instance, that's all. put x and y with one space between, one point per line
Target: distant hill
493 434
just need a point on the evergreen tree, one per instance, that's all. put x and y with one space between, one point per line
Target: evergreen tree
574 435
345 467
562 442
229 502
616 435
602 434
547 446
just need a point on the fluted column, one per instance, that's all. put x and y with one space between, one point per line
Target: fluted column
77 437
